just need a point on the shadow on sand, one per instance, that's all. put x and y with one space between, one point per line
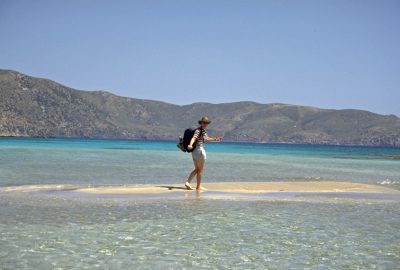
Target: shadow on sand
186 194
173 187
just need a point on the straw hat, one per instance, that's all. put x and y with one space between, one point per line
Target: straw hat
205 120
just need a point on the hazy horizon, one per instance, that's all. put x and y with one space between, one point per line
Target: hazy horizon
331 54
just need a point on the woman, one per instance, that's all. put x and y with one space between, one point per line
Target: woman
199 154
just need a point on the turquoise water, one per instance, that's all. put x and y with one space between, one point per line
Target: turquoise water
50 230
27 161
59 233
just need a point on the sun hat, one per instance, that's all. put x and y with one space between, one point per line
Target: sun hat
205 120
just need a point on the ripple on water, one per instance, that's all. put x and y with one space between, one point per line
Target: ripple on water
48 232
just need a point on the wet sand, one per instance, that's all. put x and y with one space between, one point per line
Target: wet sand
222 190
243 187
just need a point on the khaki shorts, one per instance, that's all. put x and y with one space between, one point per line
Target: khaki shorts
199 154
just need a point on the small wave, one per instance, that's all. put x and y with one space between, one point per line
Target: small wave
121 148
40 188
313 178
389 182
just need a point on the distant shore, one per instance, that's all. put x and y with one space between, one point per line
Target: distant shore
44 108
174 140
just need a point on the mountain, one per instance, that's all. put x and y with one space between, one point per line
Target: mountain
42 108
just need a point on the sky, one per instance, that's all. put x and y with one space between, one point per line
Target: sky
328 54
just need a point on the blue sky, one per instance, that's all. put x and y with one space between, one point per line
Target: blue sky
330 54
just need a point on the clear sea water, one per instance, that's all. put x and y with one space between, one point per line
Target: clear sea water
50 231
74 161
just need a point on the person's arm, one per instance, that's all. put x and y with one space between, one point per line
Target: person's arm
191 143
213 139
193 140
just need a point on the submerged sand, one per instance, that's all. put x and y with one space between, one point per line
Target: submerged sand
244 187
222 190
220 187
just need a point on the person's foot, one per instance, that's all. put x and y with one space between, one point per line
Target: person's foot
188 186
201 188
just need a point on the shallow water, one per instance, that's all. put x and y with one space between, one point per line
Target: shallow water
27 161
56 232
59 230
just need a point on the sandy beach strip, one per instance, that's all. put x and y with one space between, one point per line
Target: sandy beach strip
244 187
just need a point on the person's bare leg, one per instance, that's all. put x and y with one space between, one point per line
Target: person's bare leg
191 175
200 167
189 180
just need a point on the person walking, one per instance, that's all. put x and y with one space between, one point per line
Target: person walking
199 153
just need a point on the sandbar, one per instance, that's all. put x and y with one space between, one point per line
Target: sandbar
244 187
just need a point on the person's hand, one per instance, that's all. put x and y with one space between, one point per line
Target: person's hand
190 147
220 139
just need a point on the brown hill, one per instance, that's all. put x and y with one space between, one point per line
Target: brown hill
42 108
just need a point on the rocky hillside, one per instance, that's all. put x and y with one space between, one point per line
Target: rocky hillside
42 108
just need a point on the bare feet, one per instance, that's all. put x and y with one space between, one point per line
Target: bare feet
201 188
188 186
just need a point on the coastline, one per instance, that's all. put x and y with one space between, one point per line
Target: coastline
174 140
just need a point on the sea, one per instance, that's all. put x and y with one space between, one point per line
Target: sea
53 231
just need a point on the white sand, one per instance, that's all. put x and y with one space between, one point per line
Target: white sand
226 187
244 187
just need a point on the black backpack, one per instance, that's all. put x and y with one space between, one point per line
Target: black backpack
184 142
